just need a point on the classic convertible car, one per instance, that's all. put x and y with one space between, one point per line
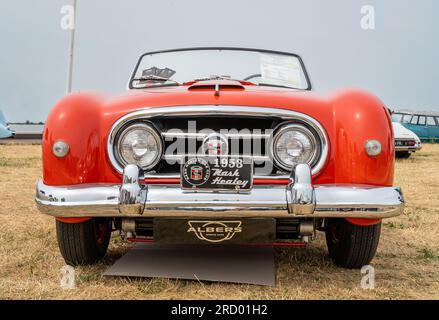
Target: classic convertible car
219 146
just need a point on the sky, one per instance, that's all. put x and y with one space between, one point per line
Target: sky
397 60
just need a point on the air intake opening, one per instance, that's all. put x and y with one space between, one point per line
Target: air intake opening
216 86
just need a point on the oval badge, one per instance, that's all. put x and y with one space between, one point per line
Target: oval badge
196 171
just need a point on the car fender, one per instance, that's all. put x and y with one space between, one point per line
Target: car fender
76 120
359 117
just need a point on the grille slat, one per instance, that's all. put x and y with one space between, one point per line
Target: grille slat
246 136
198 135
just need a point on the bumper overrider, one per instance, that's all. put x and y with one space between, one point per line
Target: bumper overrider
300 198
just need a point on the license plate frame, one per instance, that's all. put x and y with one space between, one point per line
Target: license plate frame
217 174
223 230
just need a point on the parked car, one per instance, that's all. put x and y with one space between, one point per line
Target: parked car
424 124
5 130
219 146
406 141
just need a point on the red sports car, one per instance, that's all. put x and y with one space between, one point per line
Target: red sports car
219 146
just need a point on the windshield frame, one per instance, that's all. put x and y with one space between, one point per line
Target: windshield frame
133 74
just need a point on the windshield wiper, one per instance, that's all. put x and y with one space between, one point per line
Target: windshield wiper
154 78
215 77
277 86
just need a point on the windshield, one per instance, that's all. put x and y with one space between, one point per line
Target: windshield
181 66
406 118
396 117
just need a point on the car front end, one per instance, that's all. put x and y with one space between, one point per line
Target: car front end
218 160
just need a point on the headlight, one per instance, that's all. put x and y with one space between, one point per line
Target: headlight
294 144
139 144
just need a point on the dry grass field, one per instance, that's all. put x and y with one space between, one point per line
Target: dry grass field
406 264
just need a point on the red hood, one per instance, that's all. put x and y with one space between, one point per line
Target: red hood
203 93
350 118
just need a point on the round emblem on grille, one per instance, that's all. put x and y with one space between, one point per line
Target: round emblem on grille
196 171
215 144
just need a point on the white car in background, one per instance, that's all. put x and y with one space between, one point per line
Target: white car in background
5 131
406 141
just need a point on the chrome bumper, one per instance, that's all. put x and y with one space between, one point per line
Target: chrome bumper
408 148
298 199
416 147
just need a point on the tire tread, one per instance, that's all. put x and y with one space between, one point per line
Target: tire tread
357 245
77 242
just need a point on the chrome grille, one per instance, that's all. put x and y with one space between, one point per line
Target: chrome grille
216 118
255 146
405 142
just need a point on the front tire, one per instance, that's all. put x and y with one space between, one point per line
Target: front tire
351 246
85 242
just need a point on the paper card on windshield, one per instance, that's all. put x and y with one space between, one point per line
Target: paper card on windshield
280 70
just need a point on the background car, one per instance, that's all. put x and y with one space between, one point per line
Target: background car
406 141
424 124
5 131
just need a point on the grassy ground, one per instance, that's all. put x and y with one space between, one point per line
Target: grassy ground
406 264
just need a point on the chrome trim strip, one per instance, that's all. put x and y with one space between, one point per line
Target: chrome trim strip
177 176
201 136
179 157
407 148
299 199
218 110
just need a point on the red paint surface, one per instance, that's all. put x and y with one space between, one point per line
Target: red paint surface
350 117
363 222
72 220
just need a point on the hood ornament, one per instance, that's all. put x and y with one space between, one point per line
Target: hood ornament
215 144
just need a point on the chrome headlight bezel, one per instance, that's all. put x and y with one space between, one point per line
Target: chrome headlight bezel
121 134
319 145
60 148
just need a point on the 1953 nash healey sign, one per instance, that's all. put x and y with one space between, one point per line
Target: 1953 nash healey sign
219 145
